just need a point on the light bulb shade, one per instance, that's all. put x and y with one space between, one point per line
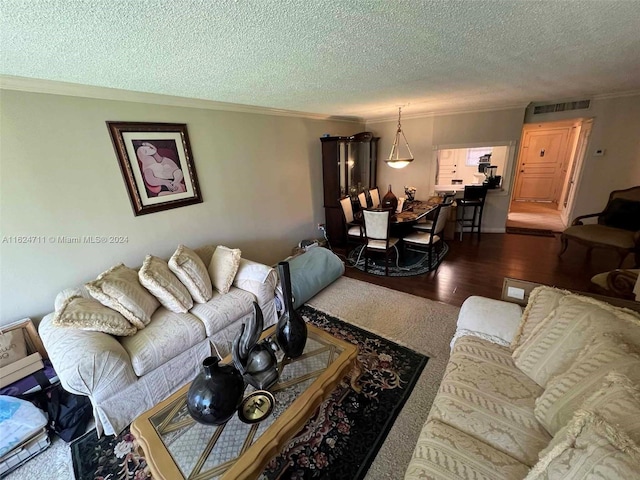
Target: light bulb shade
395 160
399 163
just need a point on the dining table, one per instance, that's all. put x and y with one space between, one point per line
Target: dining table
414 211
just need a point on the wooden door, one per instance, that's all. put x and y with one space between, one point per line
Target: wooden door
540 175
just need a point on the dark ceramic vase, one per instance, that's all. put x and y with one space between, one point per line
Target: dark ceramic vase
291 331
390 200
216 393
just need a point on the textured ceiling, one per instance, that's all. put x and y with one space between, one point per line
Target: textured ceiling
336 57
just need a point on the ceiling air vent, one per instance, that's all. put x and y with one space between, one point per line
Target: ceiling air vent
561 107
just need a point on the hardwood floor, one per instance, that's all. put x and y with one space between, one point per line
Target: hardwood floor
474 267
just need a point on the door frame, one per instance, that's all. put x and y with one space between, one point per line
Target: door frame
576 163
576 169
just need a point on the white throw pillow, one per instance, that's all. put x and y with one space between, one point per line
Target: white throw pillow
119 288
566 392
590 448
91 315
617 402
556 342
156 277
192 272
223 267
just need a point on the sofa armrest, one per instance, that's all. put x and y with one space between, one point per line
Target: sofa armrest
258 279
87 363
494 320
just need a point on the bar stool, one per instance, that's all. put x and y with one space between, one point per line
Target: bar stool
474 196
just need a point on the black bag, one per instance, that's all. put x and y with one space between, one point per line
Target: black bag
69 414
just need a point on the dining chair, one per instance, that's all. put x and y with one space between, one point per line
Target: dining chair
353 231
377 239
426 223
474 197
431 238
375 197
362 198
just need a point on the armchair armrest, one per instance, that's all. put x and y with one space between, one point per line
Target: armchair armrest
578 220
88 363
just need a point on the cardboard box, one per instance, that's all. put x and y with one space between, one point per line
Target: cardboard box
20 369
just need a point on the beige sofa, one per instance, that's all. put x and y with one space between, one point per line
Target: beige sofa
124 376
520 387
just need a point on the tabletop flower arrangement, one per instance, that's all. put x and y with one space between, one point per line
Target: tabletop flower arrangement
410 192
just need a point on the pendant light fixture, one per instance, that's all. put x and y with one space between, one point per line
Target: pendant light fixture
395 160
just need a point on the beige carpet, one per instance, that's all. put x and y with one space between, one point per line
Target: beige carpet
420 324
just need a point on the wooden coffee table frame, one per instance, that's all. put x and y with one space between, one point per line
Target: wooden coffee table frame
251 463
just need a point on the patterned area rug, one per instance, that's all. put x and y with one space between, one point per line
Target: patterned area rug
339 442
411 262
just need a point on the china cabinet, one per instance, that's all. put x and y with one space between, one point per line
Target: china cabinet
348 167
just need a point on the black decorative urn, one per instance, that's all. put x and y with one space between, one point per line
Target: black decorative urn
216 393
291 331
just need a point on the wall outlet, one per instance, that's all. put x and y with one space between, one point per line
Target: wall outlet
321 226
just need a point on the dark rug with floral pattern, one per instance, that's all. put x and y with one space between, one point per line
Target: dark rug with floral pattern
339 442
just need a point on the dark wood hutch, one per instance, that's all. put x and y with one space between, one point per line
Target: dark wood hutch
349 167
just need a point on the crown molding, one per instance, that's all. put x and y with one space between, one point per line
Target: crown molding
446 112
604 96
53 87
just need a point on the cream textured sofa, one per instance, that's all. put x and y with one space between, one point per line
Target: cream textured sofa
517 381
124 376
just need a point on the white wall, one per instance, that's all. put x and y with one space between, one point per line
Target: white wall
260 178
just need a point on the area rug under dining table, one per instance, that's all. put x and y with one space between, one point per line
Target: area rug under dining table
339 441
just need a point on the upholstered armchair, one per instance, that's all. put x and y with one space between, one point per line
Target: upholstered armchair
617 227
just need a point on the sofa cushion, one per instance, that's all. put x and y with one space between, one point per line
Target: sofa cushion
156 277
556 342
90 315
566 392
223 267
484 395
165 337
542 301
591 448
223 310
119 288
444 452
617 402
192 272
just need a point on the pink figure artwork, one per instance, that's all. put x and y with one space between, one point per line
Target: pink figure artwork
162 175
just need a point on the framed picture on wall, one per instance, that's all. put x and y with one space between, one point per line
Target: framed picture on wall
156 164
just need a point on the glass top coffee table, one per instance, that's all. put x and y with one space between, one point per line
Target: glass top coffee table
177 447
